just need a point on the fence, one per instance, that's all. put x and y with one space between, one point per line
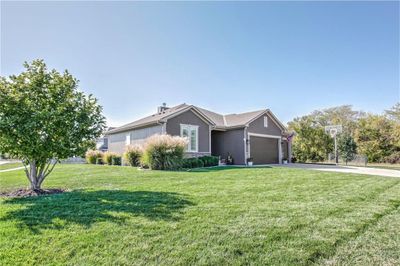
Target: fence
358 160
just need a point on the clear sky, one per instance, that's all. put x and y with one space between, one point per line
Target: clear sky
291 57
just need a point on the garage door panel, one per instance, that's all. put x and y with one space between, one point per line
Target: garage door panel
264 150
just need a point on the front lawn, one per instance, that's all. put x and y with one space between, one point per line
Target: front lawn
120 215
7 166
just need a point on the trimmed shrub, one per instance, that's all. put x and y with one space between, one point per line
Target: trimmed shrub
196 162
133 155
92 155
107 157
164 152
116 160
209 160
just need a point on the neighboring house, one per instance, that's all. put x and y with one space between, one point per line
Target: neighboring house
258 135
102 142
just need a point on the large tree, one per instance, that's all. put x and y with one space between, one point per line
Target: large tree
44 118
311 143
376 137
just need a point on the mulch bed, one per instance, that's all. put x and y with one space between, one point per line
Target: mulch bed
30 193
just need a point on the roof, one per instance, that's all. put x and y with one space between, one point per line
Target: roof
217 120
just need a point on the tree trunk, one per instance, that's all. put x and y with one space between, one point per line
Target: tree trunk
33 177
36 173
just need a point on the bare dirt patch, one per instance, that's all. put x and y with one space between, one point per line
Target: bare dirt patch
23 192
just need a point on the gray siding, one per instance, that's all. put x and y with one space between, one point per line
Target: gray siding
257 126
117 141
189 118
229 142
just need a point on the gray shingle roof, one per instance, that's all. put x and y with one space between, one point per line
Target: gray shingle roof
220 121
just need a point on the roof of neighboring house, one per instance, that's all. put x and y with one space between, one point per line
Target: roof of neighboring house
217 120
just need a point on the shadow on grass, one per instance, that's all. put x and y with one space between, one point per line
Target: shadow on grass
88 207
222 168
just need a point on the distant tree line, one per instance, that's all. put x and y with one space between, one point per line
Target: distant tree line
377 136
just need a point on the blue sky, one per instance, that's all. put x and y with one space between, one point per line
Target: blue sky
291 57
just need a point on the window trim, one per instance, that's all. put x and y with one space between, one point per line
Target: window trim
265 121
190 128
128 139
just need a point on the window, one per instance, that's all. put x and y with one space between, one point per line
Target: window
128 139
191 133
265 121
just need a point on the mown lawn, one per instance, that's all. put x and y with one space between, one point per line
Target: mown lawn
10 166
119 215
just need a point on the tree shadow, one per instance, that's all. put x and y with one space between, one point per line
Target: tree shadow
224 168
88 207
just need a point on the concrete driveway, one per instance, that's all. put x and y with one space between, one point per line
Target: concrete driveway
345 169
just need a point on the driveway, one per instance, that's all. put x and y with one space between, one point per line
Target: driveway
345 169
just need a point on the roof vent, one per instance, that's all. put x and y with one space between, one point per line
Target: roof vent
162 109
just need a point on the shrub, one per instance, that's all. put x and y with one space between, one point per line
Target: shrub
133 155
164 152
92 155
393 158
209 160
116 160
107 157
99 161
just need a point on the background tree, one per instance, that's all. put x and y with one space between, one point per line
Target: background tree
375 137
347 147
44 118
311 143
394 113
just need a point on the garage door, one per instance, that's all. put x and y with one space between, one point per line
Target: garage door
264 150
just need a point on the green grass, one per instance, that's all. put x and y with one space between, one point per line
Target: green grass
10 166
120 215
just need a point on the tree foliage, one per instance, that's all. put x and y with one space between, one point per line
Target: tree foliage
311 142
376 137
347 147
44 118
394 113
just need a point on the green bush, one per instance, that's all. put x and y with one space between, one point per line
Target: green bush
164 152
116 160
108 156
209 160
196 162
133 155
92 155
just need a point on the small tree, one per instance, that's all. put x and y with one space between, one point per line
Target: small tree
347 147
44 118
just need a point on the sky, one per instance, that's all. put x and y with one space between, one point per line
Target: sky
229 57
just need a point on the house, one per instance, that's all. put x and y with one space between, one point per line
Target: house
258 135
102 141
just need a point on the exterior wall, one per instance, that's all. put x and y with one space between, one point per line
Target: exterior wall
117 141
285 149
257 126
173 128
229 142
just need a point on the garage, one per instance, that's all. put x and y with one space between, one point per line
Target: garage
264 150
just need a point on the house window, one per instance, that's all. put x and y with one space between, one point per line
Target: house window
265 121
191 133
128 139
